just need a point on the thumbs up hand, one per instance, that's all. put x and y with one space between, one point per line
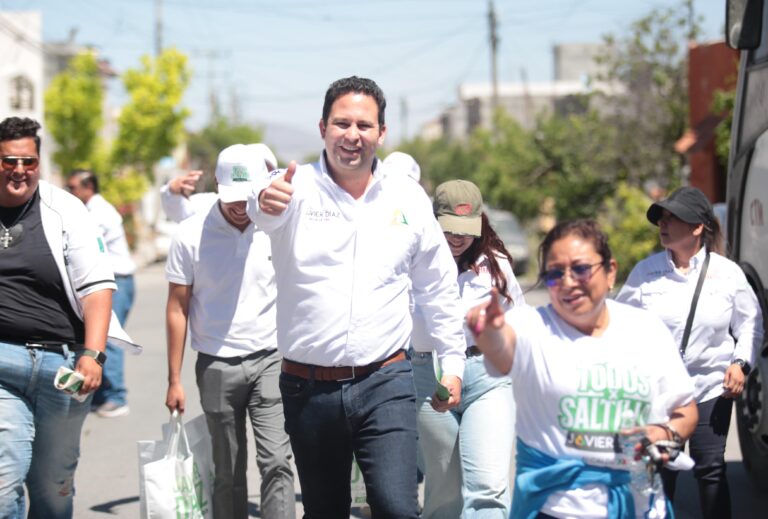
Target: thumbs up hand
275 198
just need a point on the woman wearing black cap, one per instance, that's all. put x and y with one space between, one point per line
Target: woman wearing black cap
717 334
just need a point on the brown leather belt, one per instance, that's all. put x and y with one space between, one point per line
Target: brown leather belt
337 373
473 351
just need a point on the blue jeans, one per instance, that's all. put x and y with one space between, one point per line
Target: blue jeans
113 384
373 417
39 434
465 453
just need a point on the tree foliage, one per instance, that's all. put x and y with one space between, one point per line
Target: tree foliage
631 236
73 112
724 102
651 65
151 123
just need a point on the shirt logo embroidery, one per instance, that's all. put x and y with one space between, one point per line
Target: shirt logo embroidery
321 215
398 218
101 244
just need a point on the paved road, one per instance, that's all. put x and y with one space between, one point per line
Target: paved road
107 478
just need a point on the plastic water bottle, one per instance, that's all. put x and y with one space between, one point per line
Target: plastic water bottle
644 480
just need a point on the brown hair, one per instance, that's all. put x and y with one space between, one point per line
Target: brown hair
712 237
491 246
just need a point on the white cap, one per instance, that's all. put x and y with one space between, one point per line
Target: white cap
403 161
265 152
237 169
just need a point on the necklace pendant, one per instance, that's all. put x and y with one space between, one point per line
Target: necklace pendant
6 238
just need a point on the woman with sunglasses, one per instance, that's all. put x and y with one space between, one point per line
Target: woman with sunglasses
726 330
584 369
465 453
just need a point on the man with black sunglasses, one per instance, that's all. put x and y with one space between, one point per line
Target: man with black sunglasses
55 307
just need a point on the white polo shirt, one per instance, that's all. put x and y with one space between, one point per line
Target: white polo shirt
343 268
232 308
178 207
727 309
111 226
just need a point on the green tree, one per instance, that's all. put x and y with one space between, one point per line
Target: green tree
724 102
631 236
650 64
151 123
580 163
440 160
204 146
73 112
508 167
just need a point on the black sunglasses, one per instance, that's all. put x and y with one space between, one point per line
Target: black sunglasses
11 162
580 272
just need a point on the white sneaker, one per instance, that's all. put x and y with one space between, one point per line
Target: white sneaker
112 410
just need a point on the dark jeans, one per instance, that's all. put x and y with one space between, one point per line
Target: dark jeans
373 417
707 447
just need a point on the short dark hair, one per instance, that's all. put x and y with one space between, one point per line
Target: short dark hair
14 128
585 228
87 178
357 85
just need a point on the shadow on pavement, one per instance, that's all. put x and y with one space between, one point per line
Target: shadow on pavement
109 505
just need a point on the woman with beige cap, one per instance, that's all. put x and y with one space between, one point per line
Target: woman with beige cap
465 453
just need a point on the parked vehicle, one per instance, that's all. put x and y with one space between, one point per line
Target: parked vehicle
747 29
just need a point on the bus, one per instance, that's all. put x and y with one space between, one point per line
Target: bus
747 210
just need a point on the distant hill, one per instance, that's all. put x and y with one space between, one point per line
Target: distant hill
290 143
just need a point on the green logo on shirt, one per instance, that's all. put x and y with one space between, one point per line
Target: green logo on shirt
101 244
398 218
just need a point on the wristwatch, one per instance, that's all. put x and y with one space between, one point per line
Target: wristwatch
96 355
743 364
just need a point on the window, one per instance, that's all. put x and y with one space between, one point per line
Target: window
22 93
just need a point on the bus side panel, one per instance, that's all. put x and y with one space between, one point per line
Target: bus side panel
753 239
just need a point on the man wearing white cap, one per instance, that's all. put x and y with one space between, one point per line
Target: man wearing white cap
176 196
221 284
399 161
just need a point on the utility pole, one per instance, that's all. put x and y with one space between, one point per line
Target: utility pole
527 101
404 118
158 27
691 20
211 55
494 41
235 106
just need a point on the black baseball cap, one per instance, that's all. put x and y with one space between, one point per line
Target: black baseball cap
689 204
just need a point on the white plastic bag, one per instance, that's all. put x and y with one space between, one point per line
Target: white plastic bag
171 484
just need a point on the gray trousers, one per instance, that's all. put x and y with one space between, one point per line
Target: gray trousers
230 388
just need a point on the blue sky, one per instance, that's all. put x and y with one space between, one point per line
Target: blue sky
279 56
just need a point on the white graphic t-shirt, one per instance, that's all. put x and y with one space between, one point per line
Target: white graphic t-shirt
574 392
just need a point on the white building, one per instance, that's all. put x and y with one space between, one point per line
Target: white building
576 76
21 71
